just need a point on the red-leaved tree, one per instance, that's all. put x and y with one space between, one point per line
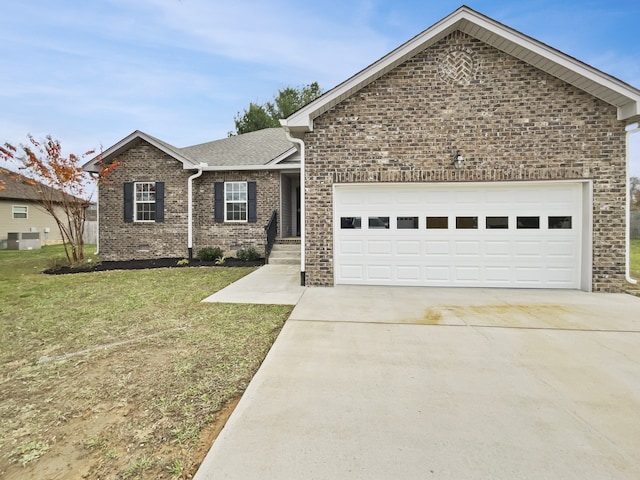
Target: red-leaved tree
62 187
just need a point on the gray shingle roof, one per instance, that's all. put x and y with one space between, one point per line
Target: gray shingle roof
19 187
254 148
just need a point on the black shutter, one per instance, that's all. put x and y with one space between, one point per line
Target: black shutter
128 202
159 201
218 202
252 206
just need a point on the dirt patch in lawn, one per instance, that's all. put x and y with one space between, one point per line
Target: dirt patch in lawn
121 374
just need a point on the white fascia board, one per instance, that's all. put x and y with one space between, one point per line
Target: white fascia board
465 20
91 165
245 168
283 156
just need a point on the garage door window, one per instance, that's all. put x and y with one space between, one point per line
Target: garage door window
497 222
437 223
350 222
464 223
528 222
378 222
559 223
405 223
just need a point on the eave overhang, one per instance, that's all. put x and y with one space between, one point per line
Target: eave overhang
589 79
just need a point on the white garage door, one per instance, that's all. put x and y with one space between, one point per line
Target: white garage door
525 235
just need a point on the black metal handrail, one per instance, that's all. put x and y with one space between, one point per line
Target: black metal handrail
271 231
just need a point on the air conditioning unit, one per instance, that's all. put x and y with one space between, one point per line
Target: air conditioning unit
23 241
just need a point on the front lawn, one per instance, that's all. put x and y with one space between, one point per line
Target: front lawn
157 367
634 259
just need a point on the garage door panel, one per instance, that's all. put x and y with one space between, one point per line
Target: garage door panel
379 272
351 272
437 248
351 247
498 274
379 247
497 248
408 273
467 273
408 247
467 248
400 247
529 249
438 273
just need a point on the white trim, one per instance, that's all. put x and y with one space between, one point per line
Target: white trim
13 212
246 202
123 144
303 201
190 209
627 260
145 202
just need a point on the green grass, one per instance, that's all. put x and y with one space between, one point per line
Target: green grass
185 360
634 259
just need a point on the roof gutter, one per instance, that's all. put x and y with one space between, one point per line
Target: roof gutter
190 210
300 143
628 277
236 168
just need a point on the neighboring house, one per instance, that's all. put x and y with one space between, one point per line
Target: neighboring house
470 156
20 210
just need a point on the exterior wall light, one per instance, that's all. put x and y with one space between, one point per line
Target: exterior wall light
458 160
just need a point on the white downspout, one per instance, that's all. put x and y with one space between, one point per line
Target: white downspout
97 219
628 277
302 207
190 211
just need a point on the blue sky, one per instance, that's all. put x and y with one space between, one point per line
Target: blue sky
89 73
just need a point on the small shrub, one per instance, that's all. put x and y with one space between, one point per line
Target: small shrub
248 254
182 261
210 254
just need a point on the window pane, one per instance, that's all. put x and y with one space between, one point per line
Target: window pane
467 222
528 222
378 222
407 222
19 211
236 212
560 222
497 222
146 212
349 222
437 222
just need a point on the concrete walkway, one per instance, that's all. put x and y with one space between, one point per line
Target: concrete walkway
384 382
270 284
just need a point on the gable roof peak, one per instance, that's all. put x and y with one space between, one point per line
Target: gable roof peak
589 79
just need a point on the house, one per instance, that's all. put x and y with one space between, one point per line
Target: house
470 156
21 213
163 201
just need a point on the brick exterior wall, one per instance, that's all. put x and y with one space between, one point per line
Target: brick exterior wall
511 122
134 241
232 236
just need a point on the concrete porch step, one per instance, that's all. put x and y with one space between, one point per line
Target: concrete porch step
285 254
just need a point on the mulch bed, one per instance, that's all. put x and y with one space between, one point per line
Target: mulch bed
154 263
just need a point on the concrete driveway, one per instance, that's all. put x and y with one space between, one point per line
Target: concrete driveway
424 383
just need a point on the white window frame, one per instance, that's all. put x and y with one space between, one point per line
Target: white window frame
147 197
229 189
14 211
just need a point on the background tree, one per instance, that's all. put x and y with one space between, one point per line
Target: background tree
287 101
62 187
634 189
